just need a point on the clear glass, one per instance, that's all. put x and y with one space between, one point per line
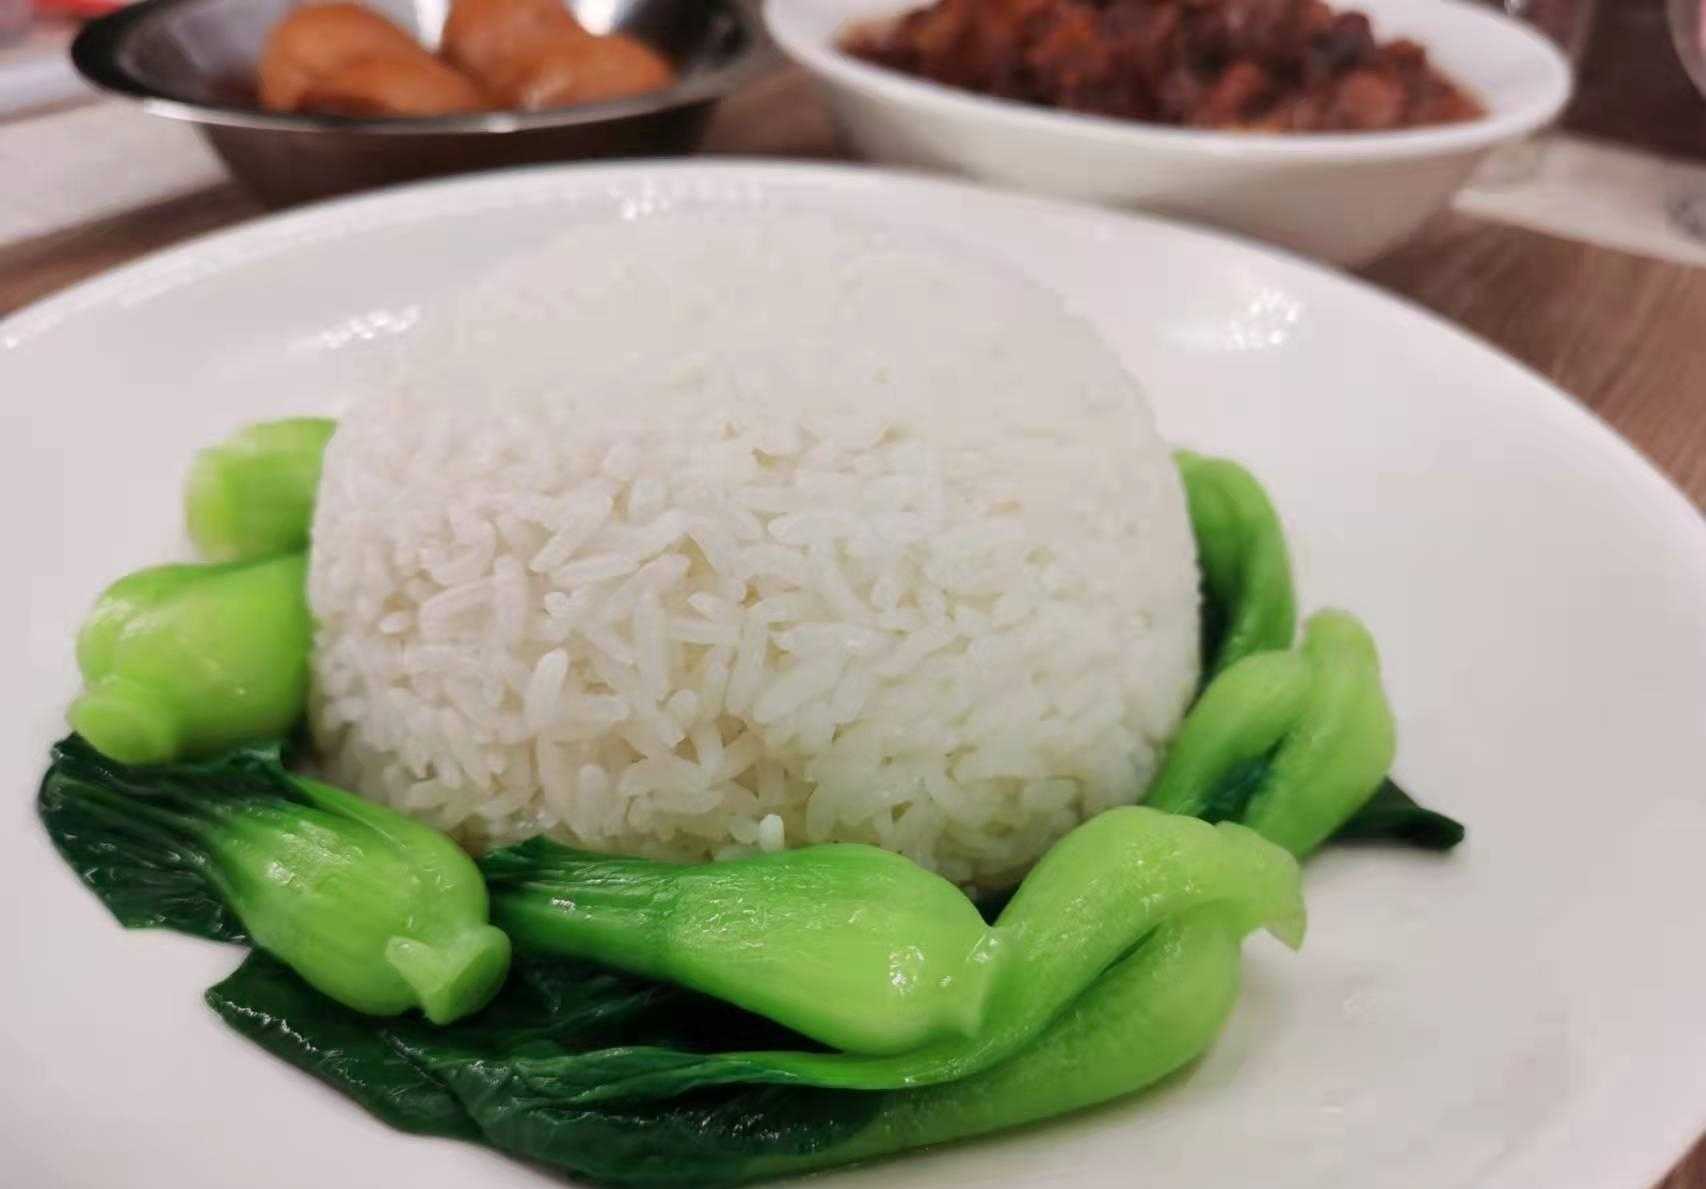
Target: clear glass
1569 23
1688 30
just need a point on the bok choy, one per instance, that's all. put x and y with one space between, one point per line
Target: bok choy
377 911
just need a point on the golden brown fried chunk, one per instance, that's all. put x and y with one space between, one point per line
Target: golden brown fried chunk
533 54
348 60
590 70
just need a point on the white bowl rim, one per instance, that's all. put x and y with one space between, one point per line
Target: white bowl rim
1538 106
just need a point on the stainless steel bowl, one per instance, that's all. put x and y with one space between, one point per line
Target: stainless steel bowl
194 60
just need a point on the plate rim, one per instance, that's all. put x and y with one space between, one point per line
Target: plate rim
221 250
224 250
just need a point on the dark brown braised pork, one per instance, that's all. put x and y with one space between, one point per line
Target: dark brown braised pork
1257 65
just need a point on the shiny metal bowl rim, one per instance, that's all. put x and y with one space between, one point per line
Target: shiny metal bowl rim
95 53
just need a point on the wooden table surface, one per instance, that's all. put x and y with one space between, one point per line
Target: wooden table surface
1625 334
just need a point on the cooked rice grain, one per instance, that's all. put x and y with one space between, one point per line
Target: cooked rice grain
698 537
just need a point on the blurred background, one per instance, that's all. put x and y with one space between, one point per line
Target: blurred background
1626 167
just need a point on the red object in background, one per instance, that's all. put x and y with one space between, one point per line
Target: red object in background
77 8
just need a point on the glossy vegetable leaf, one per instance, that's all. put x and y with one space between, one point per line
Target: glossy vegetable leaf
475 1077
145 874
375 909
1153 1011
1392 815
268 1004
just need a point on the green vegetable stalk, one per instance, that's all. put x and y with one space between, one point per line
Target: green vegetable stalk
253 494
376 911
1255 692
1097 893
1124 945
1148 1015
857 947
1248 604
184 661
1293 744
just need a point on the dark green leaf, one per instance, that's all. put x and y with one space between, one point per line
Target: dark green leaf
146 867
1212 631
477 1078
518 1075
990 904
1392 815
710 1138
274 1008
1231 798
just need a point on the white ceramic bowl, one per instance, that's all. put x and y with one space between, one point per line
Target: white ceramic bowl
1342 197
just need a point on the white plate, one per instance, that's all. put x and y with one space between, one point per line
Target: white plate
1342 197
1523 1013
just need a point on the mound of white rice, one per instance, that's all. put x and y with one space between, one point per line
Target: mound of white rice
698 536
